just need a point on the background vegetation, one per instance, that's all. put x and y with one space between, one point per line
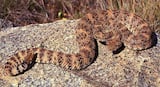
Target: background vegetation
24 12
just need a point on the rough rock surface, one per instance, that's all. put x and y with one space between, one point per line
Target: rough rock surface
125 69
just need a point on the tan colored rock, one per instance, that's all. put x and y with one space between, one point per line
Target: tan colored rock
125 69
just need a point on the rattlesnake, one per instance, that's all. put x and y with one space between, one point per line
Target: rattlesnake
114 27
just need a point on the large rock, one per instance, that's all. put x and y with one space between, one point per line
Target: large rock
125 69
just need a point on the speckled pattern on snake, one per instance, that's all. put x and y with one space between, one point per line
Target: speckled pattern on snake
116 27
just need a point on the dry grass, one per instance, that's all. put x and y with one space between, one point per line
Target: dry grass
23 12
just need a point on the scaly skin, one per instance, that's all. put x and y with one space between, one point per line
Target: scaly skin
114 27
